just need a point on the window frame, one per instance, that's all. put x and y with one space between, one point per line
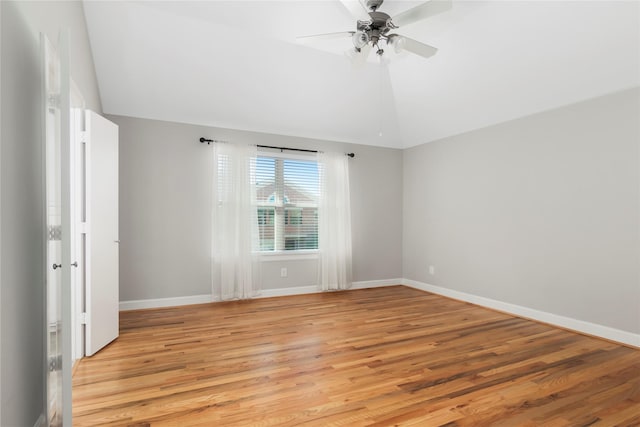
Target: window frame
285 254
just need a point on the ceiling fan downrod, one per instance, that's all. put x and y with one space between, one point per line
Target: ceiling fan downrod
373 5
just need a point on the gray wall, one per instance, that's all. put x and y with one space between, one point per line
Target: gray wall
21 225
50 17
165 194
541 212
22 195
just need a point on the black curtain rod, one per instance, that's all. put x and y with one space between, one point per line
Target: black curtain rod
297 149
290 149
209 141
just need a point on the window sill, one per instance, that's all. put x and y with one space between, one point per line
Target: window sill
289 255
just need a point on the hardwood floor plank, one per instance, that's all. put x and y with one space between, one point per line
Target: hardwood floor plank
383 356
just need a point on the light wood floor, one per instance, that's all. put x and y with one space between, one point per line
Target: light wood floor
385 356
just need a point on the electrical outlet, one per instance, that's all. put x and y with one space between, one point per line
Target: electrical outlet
432 270
283 272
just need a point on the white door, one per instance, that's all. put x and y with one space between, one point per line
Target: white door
102 238
55 74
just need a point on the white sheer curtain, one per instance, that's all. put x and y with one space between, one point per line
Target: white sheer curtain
334 222
234 232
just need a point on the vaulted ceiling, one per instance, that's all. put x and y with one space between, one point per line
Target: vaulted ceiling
237 64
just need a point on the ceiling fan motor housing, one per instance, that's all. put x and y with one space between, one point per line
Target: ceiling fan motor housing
379 22
373 30
374 26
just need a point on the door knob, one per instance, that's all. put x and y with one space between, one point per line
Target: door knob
75 264
57 266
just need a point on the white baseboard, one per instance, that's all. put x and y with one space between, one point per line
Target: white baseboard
376 283
41 421
164 302
268 293
265 293
588 328
281 292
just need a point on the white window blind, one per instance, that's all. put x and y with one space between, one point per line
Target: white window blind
287 193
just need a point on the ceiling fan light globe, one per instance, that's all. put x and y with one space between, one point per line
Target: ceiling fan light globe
397 42
360 39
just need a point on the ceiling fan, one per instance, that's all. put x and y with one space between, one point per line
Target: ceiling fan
374 26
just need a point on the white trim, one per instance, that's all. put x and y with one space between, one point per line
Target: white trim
288 255
77 229
164 302
376 283
582 326
301 290
281 292
203 299
265 293
41 421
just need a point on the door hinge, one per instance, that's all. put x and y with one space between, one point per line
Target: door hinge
83 318
55 363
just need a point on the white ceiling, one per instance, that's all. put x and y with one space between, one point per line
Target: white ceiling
236 64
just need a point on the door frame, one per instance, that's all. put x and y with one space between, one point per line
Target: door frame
77 209
65 166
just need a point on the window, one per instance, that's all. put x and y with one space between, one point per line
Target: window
265 216
287 192
292 216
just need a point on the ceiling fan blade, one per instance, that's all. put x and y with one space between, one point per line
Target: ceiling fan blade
326 36
357 9
420 12
401 43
